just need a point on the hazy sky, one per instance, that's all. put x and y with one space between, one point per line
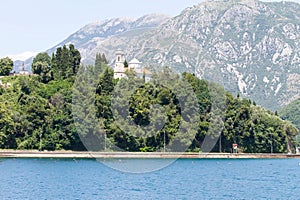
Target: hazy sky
36 25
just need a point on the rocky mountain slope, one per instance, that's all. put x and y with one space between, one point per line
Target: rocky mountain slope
251 47
93 35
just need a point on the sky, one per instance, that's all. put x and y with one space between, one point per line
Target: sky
37 25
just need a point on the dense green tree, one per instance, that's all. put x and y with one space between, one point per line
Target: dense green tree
65 62
100 61
42 57
41 66
56 63
7 127
43 70
291 112
74 60
6 66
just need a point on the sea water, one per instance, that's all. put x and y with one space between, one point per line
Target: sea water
184 179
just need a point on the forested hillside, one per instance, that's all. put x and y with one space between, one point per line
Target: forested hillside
36 111
291 112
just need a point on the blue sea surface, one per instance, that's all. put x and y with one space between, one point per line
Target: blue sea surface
184 179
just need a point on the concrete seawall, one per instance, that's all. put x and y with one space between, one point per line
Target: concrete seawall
72 154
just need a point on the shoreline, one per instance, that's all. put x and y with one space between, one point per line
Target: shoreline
137 155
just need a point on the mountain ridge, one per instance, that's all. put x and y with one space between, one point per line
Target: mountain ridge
111 27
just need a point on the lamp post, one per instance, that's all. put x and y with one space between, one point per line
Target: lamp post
296 145
220 143
271 143
164 141
105 141
40 149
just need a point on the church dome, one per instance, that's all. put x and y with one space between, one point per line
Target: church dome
134 61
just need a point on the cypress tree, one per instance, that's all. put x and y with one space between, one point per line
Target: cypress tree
57 63
65 60
125 64
98 60
103 58
74 58
58 56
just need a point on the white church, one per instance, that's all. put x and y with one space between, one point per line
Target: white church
134 64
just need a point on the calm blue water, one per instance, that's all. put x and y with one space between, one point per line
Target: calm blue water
185 179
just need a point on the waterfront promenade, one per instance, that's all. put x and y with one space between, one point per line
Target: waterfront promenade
73 154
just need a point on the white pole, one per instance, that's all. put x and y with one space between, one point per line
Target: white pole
105 141
271 143
40 141
164 141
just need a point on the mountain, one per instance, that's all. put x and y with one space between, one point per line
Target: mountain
291 112
249 46
254 46
89 38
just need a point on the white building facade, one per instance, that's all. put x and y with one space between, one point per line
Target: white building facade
135 65
119 68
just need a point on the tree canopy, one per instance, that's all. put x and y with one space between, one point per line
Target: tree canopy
6 66
37 112
291 112
63 64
